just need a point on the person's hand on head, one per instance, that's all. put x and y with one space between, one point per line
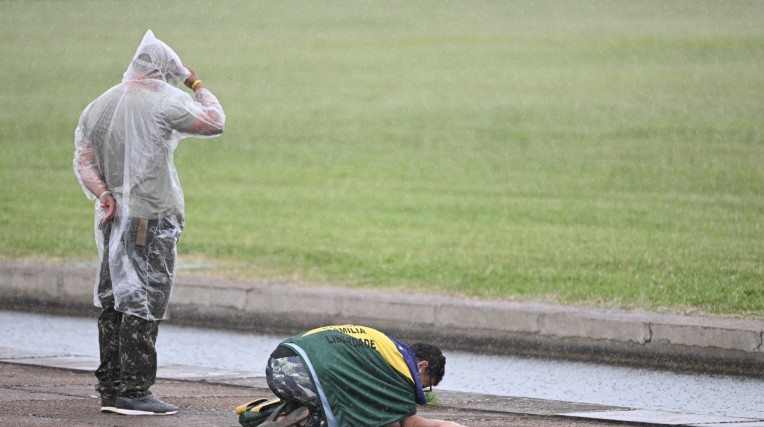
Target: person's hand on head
189 82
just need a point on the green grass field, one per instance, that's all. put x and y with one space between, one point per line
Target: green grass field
604 153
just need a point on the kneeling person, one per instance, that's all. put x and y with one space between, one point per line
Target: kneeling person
349 375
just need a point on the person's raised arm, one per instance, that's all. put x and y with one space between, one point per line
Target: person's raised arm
211 121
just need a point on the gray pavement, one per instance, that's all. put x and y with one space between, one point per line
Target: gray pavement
57 389
52 389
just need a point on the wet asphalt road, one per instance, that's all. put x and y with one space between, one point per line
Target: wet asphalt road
498 375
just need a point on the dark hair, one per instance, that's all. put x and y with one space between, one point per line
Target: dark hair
435 360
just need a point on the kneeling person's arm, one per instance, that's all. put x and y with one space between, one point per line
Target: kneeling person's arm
418 421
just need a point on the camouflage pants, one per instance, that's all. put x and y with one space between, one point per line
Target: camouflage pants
128 354
289 380
149 246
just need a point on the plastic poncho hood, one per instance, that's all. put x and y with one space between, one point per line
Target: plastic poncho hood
125 141
154 59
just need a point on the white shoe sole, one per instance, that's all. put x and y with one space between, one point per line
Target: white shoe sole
108 409
137 412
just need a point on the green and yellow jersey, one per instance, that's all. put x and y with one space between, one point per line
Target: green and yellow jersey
363 377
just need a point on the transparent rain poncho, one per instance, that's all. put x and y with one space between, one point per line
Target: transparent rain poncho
125 141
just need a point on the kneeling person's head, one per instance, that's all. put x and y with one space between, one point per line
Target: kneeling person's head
431 362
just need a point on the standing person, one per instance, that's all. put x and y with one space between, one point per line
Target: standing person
124 145
354 376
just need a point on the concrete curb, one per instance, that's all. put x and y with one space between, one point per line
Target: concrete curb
647 339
